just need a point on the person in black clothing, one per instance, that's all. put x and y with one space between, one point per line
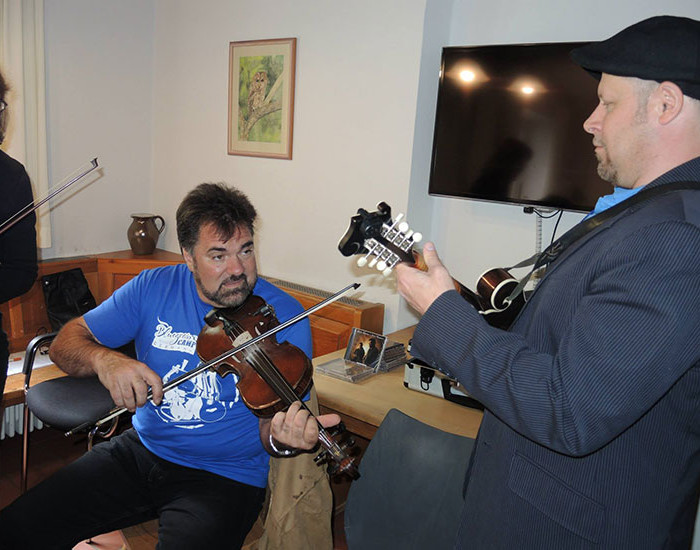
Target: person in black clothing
359 353
18 254
372 353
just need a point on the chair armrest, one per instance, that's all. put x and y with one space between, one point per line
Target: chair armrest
32 349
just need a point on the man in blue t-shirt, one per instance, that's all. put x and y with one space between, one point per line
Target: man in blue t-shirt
196 458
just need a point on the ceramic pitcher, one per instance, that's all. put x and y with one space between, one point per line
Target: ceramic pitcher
143 232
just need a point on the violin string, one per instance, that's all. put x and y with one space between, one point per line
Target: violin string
281 386
267 370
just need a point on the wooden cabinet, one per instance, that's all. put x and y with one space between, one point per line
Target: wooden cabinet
25 317
114 269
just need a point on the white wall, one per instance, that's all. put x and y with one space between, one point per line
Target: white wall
99 67
143 85
357 78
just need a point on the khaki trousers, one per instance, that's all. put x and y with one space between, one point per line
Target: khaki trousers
297 514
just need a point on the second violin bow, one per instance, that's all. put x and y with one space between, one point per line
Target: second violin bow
83 171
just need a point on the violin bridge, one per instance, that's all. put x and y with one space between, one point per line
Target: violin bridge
242 339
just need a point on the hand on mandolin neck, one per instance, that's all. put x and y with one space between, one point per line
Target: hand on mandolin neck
422 286
466 293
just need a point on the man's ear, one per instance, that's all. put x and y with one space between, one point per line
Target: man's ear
188 259
669 101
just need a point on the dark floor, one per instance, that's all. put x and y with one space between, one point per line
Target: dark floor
50 450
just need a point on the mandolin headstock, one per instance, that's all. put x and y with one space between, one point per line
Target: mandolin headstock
382 241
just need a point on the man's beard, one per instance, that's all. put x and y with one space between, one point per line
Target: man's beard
607 171
228 297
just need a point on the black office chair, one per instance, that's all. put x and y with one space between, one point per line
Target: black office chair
62 403
409 495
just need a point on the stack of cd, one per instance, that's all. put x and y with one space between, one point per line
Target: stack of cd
394 356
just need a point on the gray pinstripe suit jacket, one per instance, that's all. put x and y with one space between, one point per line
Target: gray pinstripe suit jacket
591 434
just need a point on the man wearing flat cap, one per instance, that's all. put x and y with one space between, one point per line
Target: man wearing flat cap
591 430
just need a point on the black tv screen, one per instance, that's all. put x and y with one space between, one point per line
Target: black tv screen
509 127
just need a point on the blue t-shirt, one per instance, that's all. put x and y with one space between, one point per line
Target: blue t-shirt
202 423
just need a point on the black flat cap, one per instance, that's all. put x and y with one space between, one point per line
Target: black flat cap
660 48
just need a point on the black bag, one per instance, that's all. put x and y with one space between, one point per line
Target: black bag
67 295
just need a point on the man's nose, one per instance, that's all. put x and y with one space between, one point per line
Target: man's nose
592 123
234 266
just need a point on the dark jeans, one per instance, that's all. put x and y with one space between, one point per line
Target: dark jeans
120 483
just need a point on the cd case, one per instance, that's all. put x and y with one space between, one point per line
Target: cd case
367 353
345 370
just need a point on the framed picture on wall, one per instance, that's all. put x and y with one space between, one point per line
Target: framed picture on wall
261 97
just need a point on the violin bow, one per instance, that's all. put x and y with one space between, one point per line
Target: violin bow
207 364
83 171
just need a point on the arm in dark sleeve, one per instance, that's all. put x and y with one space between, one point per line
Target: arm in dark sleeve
627 344
18 254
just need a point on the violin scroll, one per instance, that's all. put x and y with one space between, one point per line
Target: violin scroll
338 452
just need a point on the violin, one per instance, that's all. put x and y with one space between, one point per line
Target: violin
261 382
240 340
271 375
389 241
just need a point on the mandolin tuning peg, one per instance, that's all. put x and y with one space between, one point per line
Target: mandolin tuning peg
381 265
387 271
403 227
372 262
362 262
417 237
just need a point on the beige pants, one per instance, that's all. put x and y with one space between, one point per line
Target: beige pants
297 514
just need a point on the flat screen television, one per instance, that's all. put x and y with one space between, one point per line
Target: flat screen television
509 127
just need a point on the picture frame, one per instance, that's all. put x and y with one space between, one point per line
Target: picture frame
261 97
366 348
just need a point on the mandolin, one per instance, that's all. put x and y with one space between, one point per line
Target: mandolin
383 242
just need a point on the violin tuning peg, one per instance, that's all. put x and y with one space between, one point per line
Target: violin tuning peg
417 237
362 262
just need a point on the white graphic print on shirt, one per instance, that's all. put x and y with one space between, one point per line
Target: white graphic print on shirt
196 401
165 338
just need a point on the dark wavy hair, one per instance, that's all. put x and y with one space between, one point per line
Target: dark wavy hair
4 87
225 207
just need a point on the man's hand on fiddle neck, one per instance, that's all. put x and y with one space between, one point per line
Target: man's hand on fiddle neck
421 288
294 428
